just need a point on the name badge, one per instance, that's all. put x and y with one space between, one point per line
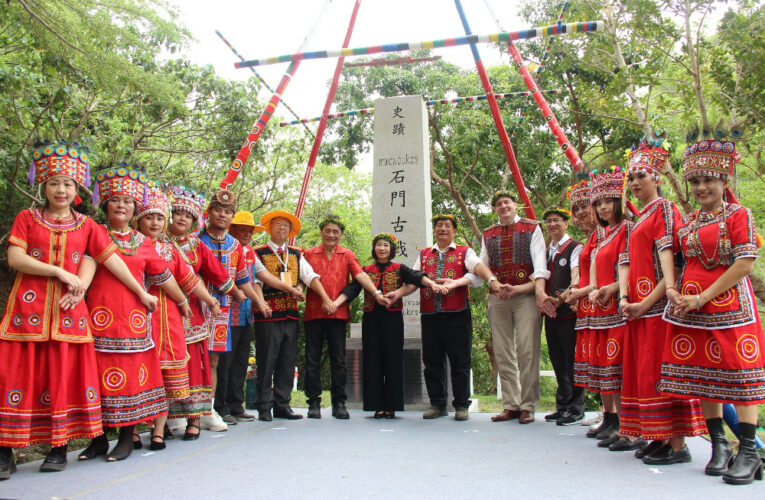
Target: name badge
286 277
562 262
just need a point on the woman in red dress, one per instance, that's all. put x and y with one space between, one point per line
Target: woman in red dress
581 208
187 208
713 349
50 382
648 258
131 380
606 324
173 309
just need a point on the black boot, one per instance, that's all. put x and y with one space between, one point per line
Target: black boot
611 427
124 446
98 446
7 463
721 450
314 408
747 466
55 461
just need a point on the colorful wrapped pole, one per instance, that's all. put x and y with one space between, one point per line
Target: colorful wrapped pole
262 80
509 153
260 124
431 44
323 122
454 100
546 53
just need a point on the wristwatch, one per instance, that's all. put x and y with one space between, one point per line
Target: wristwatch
493 278
377 292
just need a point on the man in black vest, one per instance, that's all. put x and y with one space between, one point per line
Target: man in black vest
563 264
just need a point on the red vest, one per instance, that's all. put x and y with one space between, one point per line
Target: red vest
509 251
387 281
282 304
449 265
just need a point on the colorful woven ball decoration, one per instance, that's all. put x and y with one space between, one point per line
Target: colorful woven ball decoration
59 159
224 198
121 180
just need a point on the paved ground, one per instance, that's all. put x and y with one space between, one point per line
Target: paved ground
366 458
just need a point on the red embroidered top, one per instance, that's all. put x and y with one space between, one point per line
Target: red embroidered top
335 274
509 251
32 312
450 264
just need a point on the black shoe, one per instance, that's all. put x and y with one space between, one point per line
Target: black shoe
624 444
666 455
55 460
379 414
568 418
229 419
137 444
593 431
611 427
286 413
314 409
7 462
167 434
389 414
339 411
649 448
608 441
191 436
747 466
265 415
552 417
98 446
157 443
722 453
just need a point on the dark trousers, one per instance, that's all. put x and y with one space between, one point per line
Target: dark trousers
276 352
449 335
561 343
232 370
382 340
316 330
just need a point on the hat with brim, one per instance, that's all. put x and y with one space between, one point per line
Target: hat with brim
243 218
265 221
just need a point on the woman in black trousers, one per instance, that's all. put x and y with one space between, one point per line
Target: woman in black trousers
382 327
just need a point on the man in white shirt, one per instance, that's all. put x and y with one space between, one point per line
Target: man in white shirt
563 264
514 250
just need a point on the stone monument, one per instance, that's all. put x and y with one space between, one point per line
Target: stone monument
401 205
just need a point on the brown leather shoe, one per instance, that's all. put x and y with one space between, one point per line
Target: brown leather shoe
526 417
505 416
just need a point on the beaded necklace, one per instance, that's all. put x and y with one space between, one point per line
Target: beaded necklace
129 247
722 251
186 246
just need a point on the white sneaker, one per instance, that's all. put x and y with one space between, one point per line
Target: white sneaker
176 424
213 422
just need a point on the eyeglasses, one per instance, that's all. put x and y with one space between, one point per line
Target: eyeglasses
282 224
550 222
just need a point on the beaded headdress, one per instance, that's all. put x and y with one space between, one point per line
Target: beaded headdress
224 198
710 157
121 180
607 183
59 159
648 157
157 202
187 200
579 193
386 237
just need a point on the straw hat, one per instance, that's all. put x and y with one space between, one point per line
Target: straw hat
265 221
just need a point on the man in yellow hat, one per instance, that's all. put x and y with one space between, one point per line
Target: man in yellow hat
276 337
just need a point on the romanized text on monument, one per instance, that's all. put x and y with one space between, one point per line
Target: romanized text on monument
401 201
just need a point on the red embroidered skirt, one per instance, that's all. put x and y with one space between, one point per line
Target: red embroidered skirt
199 400
49 391
645 412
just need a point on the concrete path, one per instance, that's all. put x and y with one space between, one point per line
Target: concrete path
365 458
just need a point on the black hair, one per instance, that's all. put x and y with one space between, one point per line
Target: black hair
392 250
618 212
136 207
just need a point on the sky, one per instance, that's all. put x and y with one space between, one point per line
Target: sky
260 28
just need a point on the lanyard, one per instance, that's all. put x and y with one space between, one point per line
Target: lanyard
286 259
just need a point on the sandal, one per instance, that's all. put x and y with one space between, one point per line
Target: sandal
137 444
190 436
157 445
168 434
